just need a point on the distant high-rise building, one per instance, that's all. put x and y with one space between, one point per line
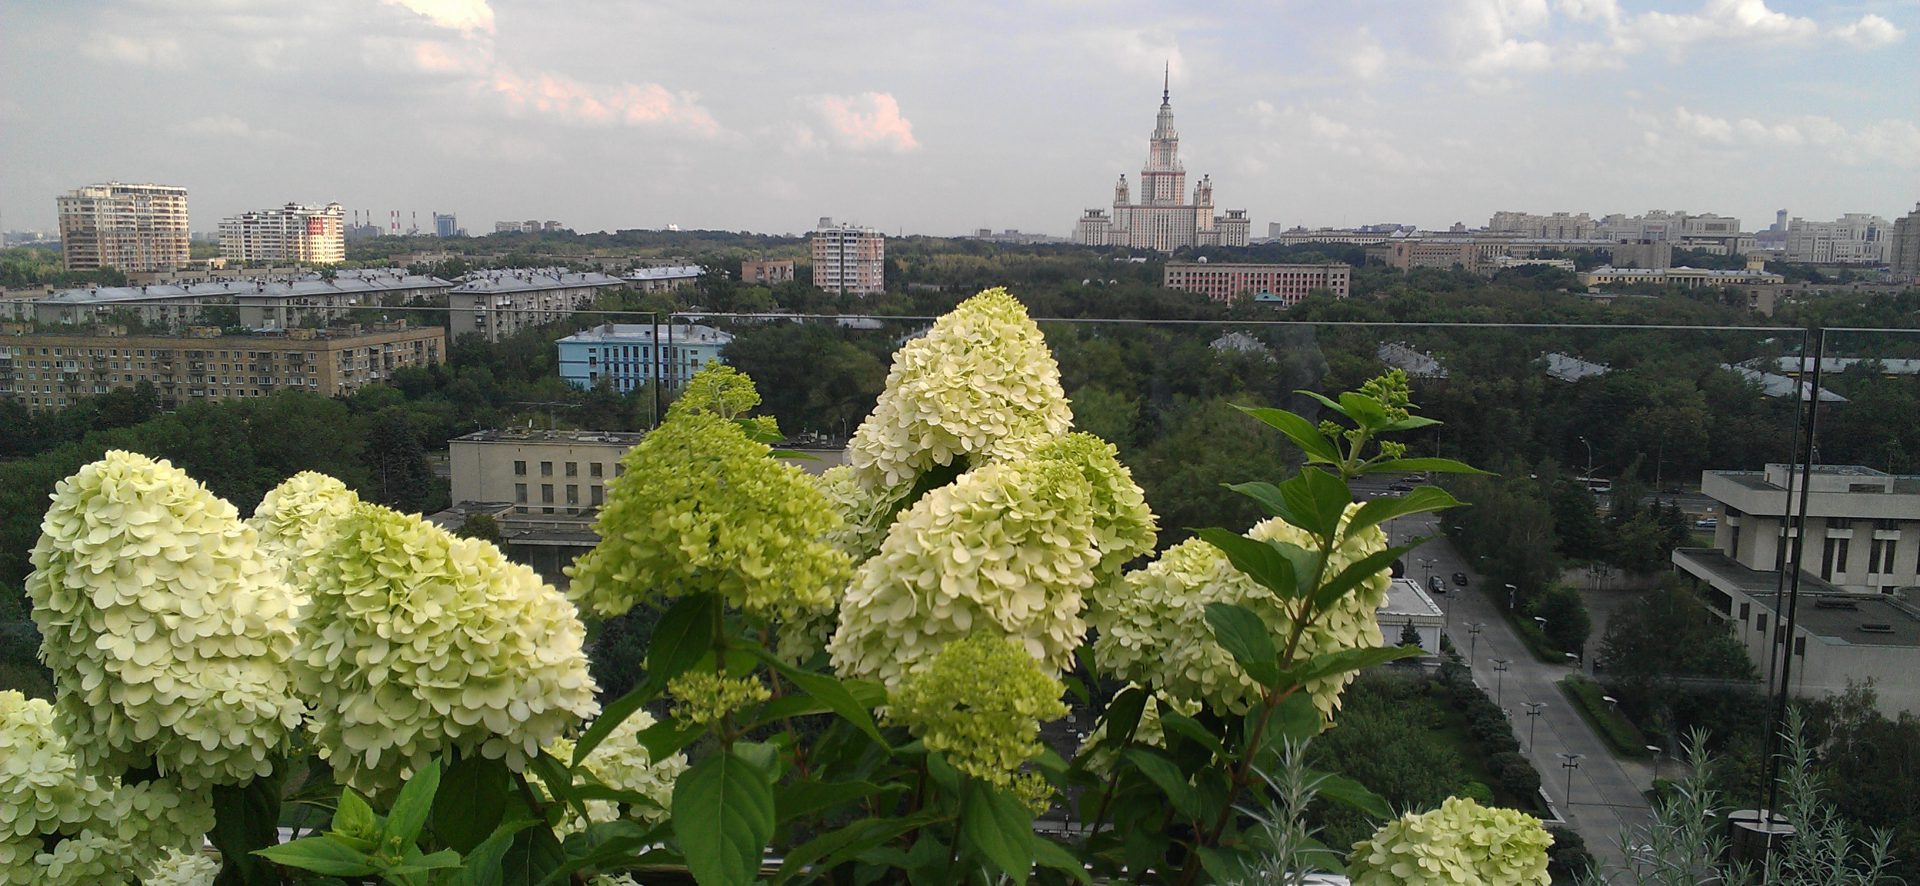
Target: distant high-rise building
444 225
296 233
1903 252
1163 221
849 259
1854 238
1558 226
129 227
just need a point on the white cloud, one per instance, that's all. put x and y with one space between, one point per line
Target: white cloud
626 104
148 51
1364 57
870 120
1890 142
459 15
227 126
1870 31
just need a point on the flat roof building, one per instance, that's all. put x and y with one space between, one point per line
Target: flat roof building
496 304
662 279
1230 281
848 259
141 227
311 300
767 272
623 356
308 235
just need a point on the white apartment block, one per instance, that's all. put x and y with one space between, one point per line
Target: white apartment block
1558 226
131 228
312 235
1717 234
1903 254
1860 564
848 259
1854 238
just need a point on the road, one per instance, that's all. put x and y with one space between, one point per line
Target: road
1607 799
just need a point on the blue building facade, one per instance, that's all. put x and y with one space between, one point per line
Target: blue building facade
625 356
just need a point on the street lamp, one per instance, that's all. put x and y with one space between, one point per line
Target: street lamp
1511 591
1473 640
1654 749
1570 762
1533 720
1500 686
1583 442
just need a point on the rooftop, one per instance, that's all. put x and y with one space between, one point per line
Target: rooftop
642 333
669 272
543 435
532 280
1405 597
1710 563
307 286
1567 367
1775 385
1851 619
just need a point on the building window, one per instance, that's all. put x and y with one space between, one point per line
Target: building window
520 493
1880 556
573 494
593 469
1886 525
1745 610
546 469
546 493
519 469
1833 561
1839 522
573 469
599 494
1760 622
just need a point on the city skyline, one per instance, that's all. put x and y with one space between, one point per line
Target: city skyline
941 121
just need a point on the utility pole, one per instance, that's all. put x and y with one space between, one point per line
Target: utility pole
1500 686
1533 720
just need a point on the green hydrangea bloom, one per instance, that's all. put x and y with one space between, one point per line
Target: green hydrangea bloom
703 508
981 384
864 513
1123 525
1006 549
704 697
418 642
298 518
1461 842
106 832
980 703
167 631
1153 627
179 868
621 762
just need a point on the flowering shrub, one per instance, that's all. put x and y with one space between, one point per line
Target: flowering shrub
980 383
701 507
621 762
167 632
864 513
1153 627
980 702
1461 842
179 868
1121 523
298 518
418 643
704 698
1006 549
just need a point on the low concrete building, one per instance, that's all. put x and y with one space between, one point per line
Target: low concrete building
497 304
1856 618
1229 281
665 278
1684 277
624 356
259 304
1408 604
767 272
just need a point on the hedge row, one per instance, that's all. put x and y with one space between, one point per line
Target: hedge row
1590 701
1513 773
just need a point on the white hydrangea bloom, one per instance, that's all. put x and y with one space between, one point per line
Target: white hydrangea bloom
183 869
1122 523
298 518
418 642
167 631
59 825
1153 626
864 512
981 384
1460 842
621 762
1006 548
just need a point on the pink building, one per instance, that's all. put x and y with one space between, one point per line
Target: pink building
1223 281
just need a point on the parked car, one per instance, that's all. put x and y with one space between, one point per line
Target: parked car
1399 487
1436 585
1707 523
1460 578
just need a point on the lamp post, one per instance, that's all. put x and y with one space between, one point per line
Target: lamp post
1500 684
1654 749
1570 762
1428 563
1473 640
1583 442
1511 592
1533 720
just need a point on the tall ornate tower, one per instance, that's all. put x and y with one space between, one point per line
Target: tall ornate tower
1162 219
1162 181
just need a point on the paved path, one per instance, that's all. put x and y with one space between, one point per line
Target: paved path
1607 800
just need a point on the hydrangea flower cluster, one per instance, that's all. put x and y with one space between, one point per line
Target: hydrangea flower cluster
1005 549
1153 627
298 518
981 385
621 762
418 642
179 868
59 825
980 703
1461 842
864 513
1122 524
703 508
167 632
704 697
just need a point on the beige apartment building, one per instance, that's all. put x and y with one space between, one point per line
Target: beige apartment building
496 304
849 259
52 370
538 471
284 303
131 228
308 235
767 272
1230 281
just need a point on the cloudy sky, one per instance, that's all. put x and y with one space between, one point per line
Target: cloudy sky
944 117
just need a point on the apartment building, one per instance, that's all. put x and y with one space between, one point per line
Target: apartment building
767 272
308 235
497 304
1286 283
538 471
137 227
52 370
1903 249
665 278
624 356
848 259
1856 618
1557 226
308 300
1855 238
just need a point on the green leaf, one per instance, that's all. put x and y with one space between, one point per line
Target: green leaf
1122 717
1347 792
1262 561
684 634
610 852
828 689
411 808
353 816
320 855
593 790
1303 433
1324 401
470 802
1051 855
1295 718
1428 465
482 866
1365 411
723 815
1246 638
943 773
1358 571
1166 776
1271 499
1322 497
417 863
534 852
557 779
1421 500
1411 422
666 738
806 798
1180 724
244 819
1328 664
1225 865
997 824
834 848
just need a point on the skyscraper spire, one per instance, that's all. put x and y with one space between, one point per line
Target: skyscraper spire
1166 84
